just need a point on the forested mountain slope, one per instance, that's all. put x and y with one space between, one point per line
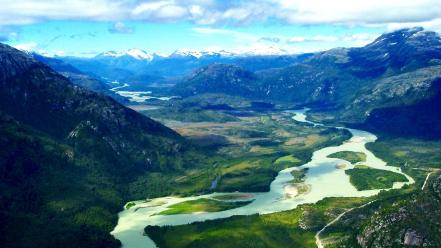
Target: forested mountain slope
70 157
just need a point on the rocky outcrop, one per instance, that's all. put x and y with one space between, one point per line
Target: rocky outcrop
413 222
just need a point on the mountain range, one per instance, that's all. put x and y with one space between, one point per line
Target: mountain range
398 70
136 66
396 75
70 157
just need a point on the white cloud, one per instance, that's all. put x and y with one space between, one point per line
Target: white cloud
316 38
30 46
270 39
34 47
29 11
162 10
171 12
345 12
296 44
357 12
121 28
240 36
149 7
360 39
434 25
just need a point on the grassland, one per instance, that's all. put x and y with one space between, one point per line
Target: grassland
367 178
255 144
228 197
246 153
202 205
294 228
352 157
288 159
415 157
190 115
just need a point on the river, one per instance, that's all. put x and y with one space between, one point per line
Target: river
324 175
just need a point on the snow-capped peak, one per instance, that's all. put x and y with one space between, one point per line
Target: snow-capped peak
198 54
263 50
134 53
245 51
139 54
109 54
186 52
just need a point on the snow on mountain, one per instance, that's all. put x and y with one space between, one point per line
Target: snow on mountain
134 53
260 50
185 53
198 54
139 54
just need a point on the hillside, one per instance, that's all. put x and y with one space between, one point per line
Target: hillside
73 74
218 78
152 68
398 69
409 222
70 158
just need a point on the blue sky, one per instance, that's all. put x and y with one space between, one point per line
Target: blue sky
86 28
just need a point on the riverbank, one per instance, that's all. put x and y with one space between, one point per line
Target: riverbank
323 176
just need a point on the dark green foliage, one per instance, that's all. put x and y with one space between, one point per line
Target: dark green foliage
190 115
294 228
365 179
419 120
70 158
392 82
46 197
415 156
202 205
218 78
387 222
352 157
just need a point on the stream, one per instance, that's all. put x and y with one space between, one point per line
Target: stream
325 176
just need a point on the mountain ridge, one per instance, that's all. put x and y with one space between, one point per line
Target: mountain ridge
398 68
70 158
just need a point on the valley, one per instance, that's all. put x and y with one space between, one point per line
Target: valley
335 148
324 176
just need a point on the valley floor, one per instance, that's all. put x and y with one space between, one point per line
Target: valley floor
254 149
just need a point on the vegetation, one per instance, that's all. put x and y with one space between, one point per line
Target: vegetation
416 157
369 178
400 211
202 205
295 227
248 154
288 159
247 175
46 194
392 215
361 166
232 196
70 158
299 175
352 157
129 205
189 115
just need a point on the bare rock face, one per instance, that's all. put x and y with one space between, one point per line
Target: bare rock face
411 238
412 222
